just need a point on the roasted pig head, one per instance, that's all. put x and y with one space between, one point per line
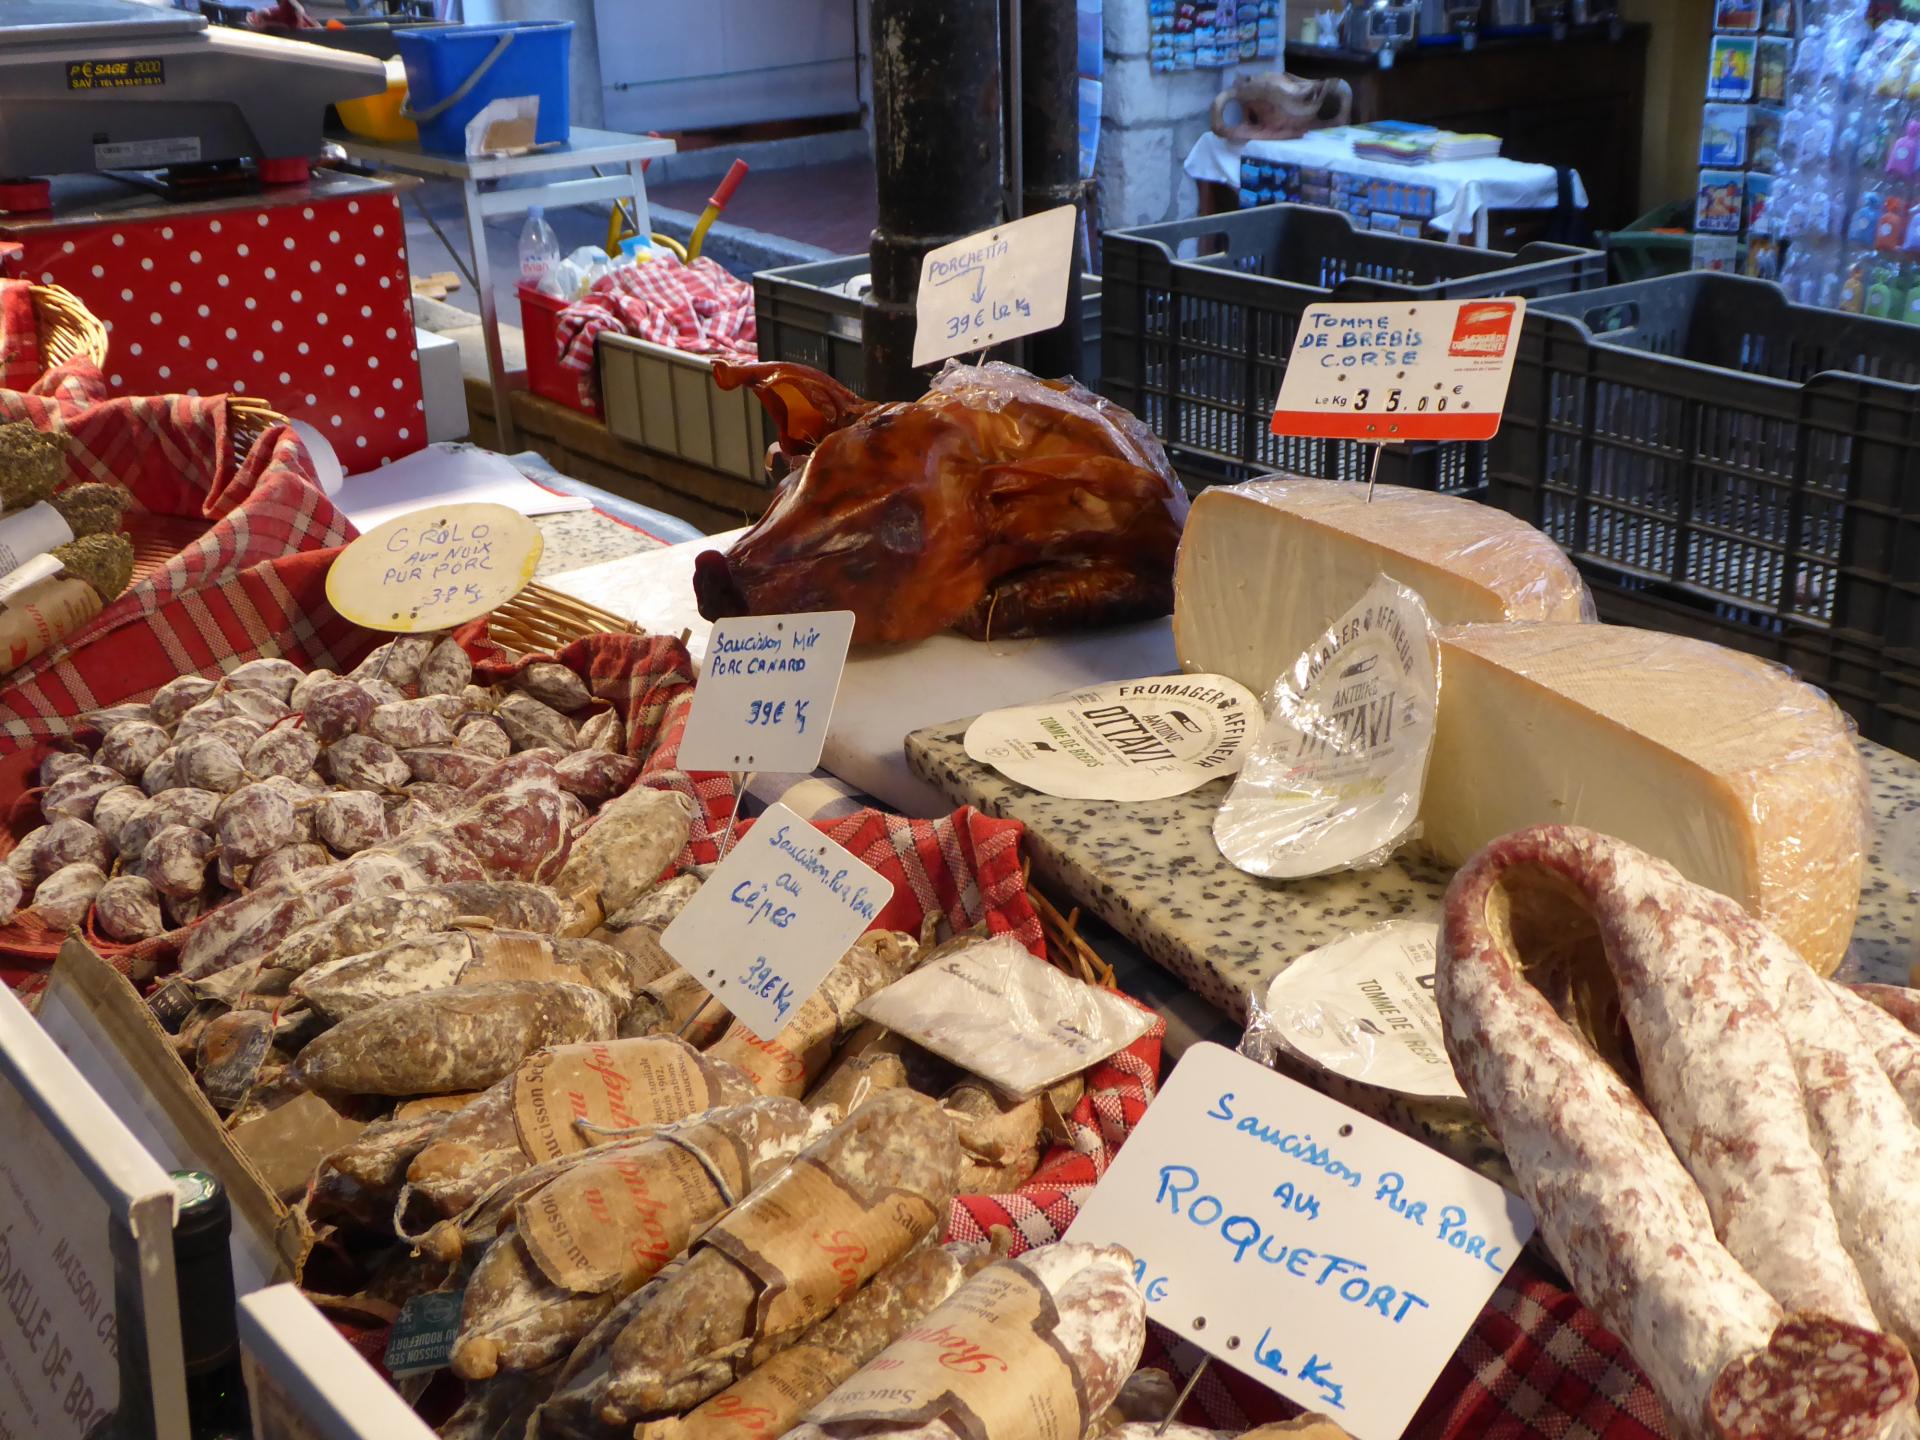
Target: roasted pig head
998 503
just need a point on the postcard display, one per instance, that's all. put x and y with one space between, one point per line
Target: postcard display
1741 130
1847 209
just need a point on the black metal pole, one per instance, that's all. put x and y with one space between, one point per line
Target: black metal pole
1050 128
937 157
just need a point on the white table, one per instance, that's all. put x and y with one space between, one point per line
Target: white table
1464 190
480 178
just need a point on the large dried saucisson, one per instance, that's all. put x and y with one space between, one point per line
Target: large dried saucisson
771 1399
874 1187
1619 1212
607 1222
1066 1322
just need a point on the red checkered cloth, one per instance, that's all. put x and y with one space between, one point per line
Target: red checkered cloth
206 609
698 308
1537 1364
965 867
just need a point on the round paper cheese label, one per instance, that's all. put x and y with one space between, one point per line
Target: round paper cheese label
1136 740
435 568
1363 1008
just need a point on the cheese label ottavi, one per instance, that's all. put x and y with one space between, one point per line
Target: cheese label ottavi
1334 781
1137 740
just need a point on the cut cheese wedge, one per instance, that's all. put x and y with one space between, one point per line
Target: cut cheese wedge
1265 567
1745 779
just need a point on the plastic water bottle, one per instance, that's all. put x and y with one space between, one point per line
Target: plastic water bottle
539 248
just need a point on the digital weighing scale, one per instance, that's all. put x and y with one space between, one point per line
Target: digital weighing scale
116 85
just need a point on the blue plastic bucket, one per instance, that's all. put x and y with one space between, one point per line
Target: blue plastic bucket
453 73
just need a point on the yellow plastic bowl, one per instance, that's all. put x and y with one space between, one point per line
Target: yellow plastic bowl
377 117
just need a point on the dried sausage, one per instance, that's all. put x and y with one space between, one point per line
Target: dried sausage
448 1040
1620 1214
743 1295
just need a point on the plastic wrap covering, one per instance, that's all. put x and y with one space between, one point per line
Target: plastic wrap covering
998 503
1334 781
1266 566
1719 763
1363 1008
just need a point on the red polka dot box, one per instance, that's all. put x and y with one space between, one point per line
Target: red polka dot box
297 296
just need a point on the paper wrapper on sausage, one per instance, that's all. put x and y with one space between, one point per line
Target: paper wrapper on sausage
607 1222
676 1004
447 1040
561 1102
1615 1206
771 1399
851 1085
789 1062
851 1204
42 615
1029 1349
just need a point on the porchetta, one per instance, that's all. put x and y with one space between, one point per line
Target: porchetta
998 504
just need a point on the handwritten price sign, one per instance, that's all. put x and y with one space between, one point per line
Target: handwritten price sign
766 698
1429 370
435 568
776 915
1300 1242
995 286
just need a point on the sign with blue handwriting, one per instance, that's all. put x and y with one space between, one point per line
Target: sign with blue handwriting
435 568
766 696
1304 1244
772 919
995 286
1425 370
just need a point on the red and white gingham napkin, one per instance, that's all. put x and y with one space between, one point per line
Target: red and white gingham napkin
698 308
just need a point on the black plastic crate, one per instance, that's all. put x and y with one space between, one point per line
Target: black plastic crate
1200 317
802 314
1746 465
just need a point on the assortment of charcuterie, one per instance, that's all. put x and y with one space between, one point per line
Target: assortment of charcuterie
435 911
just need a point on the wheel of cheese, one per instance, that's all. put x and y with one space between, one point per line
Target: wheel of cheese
1725 766
1266 567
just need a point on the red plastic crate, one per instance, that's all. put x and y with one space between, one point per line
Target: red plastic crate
540 325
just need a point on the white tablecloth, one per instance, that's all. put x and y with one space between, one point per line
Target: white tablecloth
1464 190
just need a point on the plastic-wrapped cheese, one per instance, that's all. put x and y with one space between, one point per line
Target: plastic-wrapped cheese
1265 567
1725 766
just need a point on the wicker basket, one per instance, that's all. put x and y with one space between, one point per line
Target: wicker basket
68 330
540 621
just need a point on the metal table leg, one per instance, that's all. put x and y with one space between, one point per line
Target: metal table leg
509 441
434 225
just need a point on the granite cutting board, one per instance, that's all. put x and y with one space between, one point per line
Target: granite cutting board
1152 871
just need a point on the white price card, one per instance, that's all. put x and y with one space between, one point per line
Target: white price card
89 1313
1412 370
995 286
1137 740
306 1383
773 918
766 696
1309 1247
435 568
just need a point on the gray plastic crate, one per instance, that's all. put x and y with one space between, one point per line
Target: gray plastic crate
803 315
667 400
1200 317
